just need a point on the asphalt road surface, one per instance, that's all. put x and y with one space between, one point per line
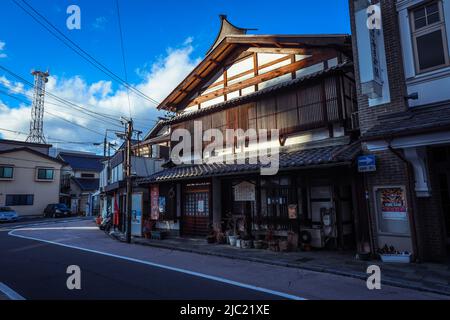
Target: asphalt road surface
34 261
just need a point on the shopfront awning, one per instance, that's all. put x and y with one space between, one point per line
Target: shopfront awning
417 120
289 160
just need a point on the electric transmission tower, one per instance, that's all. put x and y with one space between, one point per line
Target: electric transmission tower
37 111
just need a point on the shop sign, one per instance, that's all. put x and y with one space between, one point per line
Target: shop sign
154 200
245 191
393 204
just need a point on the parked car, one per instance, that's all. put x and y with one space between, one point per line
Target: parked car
7 214
57 210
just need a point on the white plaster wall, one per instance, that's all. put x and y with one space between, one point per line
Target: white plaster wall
428 85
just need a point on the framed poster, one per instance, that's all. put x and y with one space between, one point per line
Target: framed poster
392 210
244 191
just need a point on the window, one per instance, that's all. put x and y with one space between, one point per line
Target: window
19 200
45 174
88 175
6 172
429 37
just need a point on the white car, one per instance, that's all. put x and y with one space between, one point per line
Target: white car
7 214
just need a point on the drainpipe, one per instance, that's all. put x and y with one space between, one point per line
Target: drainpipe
411 187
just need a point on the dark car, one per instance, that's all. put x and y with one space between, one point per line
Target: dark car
57 210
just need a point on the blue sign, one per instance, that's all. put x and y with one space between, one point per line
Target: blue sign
367 163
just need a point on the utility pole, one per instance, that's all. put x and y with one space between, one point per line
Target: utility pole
128 136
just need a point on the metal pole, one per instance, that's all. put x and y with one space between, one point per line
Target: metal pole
129 135
104 145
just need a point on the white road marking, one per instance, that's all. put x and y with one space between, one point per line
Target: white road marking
10 293
54 228
161 266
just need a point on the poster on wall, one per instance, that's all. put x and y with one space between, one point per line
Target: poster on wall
393 204
244 191
154 200
292 210
162 205
201 206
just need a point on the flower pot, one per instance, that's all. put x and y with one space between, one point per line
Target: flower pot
259 244
246 244
232 240
396 258
273 246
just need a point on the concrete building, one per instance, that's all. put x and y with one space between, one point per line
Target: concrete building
401 51
29 177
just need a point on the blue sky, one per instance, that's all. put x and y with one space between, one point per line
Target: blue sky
154 32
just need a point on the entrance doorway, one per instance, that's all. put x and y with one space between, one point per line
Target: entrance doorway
196 214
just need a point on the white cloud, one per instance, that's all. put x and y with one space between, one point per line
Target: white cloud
158 81
2 49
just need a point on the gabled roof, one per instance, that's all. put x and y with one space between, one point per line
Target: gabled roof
226 29
37 153
221 51
88 162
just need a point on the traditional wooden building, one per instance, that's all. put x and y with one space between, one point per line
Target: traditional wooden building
302 85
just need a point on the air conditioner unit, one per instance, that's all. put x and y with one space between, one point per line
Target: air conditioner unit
317 238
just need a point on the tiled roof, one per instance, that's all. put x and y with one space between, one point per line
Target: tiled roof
87 184
270 90
83 161
416 120
288 160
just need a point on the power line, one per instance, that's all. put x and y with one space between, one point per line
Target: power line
59 99
54 140
56 116
78 50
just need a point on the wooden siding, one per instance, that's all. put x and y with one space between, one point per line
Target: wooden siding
317 105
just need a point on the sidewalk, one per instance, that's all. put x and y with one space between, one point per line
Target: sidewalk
425 276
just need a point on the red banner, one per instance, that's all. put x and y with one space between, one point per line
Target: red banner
154 198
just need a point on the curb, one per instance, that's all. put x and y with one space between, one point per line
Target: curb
354 275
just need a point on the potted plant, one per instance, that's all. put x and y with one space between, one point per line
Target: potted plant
260 244
221 238
212 235
246 242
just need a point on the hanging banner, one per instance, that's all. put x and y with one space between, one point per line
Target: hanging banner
244 191
154 202
393 204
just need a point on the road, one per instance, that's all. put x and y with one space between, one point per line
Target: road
35 259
